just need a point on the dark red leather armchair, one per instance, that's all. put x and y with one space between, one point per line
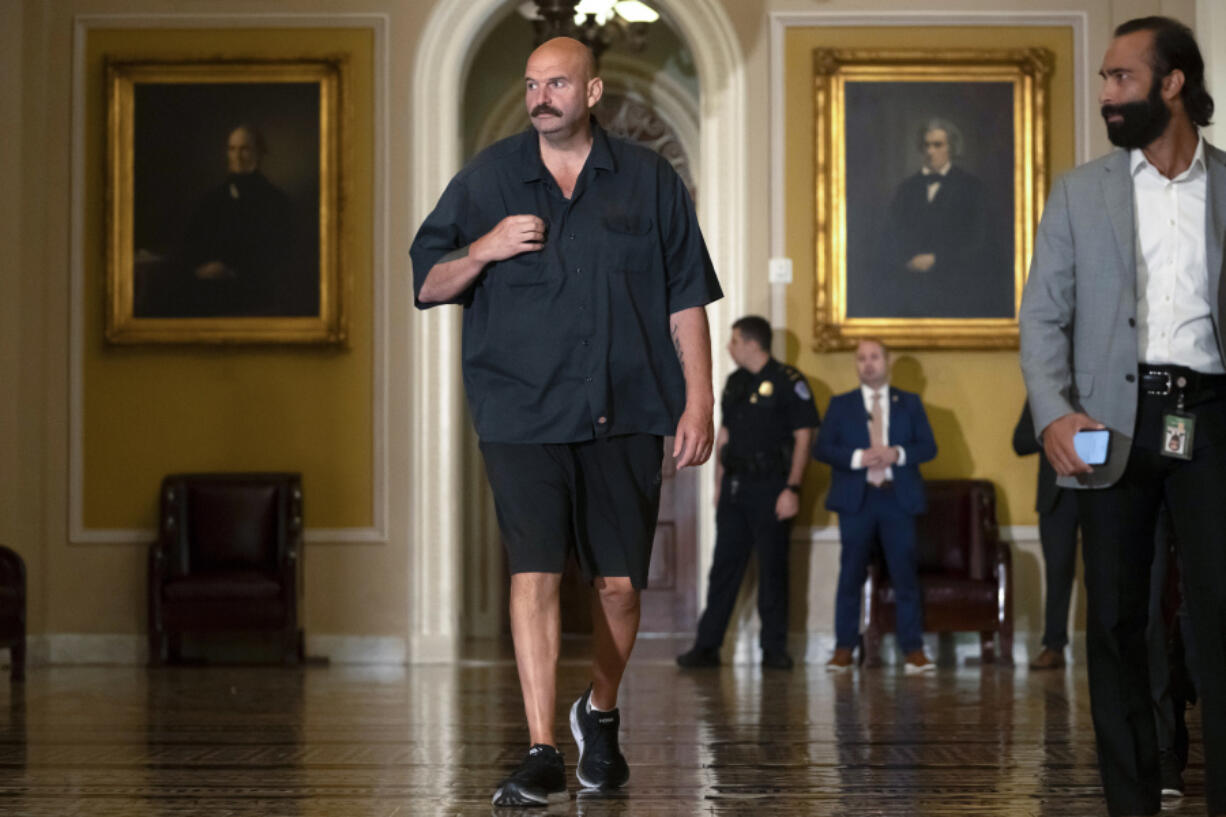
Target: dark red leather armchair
965 572
13 610
228 558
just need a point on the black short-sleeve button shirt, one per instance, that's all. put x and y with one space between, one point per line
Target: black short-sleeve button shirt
572 342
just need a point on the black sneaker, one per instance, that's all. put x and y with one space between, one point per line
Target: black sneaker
601 763
539 780
776 660
1172 773
698 657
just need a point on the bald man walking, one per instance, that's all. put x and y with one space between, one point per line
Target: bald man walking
584 279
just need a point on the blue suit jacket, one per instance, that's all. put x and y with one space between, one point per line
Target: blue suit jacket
846 429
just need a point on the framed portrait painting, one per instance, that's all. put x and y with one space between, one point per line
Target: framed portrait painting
224 220
931 172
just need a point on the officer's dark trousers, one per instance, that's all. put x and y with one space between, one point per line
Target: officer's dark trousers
745 521
1058 537
1118 526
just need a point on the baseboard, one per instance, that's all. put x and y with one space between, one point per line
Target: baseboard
68 649
433 649
76 649
87 648
829 534
358 649
952 648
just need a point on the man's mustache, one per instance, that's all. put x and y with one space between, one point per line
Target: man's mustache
1112 110
543 108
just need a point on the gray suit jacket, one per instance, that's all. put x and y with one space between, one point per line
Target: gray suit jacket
1078 314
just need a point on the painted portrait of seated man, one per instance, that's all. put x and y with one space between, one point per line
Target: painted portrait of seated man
938 257
242 253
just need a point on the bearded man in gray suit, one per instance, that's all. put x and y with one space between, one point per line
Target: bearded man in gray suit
1121 327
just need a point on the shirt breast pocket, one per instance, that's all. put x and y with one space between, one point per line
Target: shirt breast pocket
631 242
523 270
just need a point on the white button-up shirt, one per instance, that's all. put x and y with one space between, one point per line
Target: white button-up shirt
858 455
1174 316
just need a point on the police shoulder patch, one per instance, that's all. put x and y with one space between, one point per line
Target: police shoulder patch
802 390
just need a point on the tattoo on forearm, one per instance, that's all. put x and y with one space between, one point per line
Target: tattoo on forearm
454 255
677 343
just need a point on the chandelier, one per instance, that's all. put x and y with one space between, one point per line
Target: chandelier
597 24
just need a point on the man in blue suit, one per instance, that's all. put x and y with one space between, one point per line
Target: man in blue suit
874 439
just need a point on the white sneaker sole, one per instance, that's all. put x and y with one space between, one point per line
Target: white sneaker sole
911 669
524 798
577 733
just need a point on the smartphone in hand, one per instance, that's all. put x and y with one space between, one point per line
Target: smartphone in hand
1092 444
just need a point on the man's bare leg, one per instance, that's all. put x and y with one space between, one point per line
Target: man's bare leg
615 626
536 629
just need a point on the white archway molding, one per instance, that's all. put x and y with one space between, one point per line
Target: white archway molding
437 456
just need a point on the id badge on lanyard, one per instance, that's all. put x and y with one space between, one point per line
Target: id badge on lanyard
1178 428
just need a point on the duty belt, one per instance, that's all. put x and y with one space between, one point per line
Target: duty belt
759 466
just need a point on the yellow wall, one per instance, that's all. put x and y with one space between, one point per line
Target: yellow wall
10 289
150 410
973 397
366 589
153 410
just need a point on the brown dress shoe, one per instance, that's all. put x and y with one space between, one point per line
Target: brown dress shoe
1048 659
841 661
917 662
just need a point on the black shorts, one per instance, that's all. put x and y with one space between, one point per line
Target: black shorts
601 497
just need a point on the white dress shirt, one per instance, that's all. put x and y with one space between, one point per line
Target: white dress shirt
1174 316
935 184
858 455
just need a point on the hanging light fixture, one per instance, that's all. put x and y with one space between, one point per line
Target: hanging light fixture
596 23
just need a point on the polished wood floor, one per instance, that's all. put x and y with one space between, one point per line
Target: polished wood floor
384 741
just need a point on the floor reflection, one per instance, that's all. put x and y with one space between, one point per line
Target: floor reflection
14 751
434 740
1067 759
225 733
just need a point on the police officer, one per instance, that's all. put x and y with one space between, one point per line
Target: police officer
768 423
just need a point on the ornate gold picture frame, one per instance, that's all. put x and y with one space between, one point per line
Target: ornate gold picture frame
224 220
931 172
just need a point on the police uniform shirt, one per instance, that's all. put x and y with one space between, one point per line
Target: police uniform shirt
762 410
572 342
